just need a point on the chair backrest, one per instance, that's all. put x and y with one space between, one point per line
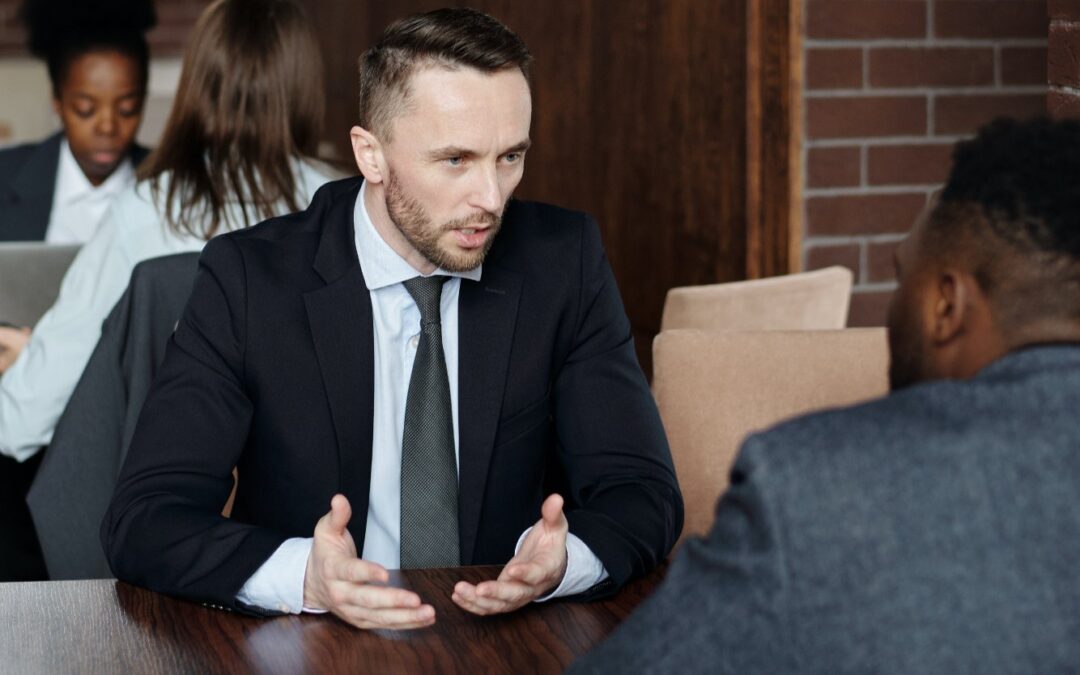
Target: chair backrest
714 388
815 300
30 276
79 470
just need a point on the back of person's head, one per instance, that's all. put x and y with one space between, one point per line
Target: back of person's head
448 38
994 265
249 104
60 31
1011 209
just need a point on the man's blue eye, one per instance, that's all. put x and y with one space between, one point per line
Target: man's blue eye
454 161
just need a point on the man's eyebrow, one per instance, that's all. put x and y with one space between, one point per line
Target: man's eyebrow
458 151
450 151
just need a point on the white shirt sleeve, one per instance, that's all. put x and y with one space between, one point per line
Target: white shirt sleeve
278 584
583 569
35 390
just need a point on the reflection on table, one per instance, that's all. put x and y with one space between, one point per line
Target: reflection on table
105 626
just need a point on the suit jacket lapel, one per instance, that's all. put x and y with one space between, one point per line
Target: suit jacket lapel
340 318
32 191
487 314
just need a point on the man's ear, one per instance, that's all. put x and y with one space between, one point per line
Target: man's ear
368 153
952 310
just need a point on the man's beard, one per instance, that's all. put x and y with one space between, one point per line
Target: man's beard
415 225
906 351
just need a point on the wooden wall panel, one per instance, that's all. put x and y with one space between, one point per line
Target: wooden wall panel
671 121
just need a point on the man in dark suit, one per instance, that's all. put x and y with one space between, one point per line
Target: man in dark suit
935 530
433 357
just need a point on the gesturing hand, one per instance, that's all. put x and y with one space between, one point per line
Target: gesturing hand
338 581
12 342
537 568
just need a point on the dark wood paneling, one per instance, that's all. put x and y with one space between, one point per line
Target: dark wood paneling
674 122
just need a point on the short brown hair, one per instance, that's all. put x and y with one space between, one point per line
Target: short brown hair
449 38
249 104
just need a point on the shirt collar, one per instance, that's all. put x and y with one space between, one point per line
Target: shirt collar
382 266
73 185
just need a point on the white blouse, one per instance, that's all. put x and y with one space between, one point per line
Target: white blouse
35 390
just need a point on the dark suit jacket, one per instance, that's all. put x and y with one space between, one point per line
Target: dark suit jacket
933 531
271 371
77 477
27 182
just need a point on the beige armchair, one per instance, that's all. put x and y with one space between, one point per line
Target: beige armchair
815 300
714 388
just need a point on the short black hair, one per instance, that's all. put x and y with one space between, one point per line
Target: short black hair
1011 206
61 31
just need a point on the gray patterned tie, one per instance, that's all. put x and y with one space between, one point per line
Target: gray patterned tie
429 482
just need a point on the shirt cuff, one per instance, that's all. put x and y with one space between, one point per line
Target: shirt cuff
583 569
278 584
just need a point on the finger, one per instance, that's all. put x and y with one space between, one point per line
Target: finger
471 601
340 513
366 596
391 619
358 571
527 572
552 511
498 593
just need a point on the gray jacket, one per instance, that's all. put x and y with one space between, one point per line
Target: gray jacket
933 531
78 473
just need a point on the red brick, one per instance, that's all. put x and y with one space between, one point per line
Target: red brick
1023 65
908 164
1064 9
1063 55
868 308
845 255
864 20
851 117
965 114
832 167
863 214
934 67
5 132
833 68
990 18
879 262
1062 104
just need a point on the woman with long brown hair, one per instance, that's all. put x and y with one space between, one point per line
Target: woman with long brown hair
236 150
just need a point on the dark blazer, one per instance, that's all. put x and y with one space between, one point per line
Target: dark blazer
27 182
933 531
78 474
271 371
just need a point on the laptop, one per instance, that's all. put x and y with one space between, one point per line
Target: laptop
30 276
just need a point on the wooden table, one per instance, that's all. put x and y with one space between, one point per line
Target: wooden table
105 626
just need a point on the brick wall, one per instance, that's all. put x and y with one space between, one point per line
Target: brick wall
889 86
1063 62
175 19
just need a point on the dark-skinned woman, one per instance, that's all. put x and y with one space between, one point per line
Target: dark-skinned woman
57 190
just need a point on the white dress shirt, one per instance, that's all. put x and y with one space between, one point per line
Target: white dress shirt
36 388
78 206
279 582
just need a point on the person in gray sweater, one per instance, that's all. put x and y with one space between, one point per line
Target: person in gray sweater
936 530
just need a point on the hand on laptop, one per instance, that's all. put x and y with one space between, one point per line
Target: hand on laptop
12 341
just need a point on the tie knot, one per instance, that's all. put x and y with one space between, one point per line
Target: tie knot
427 293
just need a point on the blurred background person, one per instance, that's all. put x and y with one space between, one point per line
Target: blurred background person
237 148
57 190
